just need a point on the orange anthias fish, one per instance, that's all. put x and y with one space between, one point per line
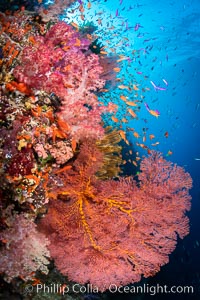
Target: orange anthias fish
123 136
122 97
116 69
131 103
122 57
103 52
122 87
132 113
136 135
114 119
154 113
89 5
152 136
81 8
124 120
74 25
135 87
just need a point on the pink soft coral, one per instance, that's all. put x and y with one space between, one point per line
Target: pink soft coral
25 249
56 63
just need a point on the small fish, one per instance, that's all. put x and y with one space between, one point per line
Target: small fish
122 57
142 146
82 17
166 134
116 70
137 26
152 136
99 21
154 113
122 87
136 135
131 103
147 106
156 88
124 120
75 25
123 135
103 52
165 81
81 8
169 153
132 113
134 163
114 119
144 139
122 97
135 87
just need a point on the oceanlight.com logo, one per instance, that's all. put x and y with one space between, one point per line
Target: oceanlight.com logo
152 290
58 288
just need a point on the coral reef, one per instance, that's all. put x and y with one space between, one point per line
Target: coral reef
111 228
26 249
62 194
